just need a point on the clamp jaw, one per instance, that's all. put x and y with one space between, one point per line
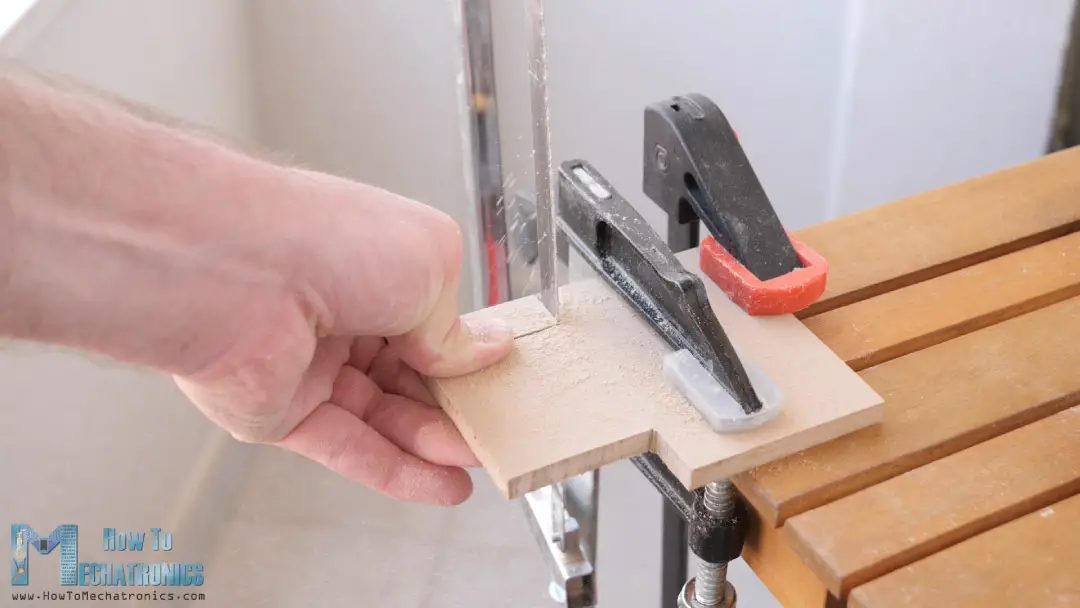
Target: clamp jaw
696 170
713 539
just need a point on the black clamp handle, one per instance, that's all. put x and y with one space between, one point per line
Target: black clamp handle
695 168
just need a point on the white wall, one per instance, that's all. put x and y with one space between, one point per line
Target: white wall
89 441
367 90
841 104
937 92
773 66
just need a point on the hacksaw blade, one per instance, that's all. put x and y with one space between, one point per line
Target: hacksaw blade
546 198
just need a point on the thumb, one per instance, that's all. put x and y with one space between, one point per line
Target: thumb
447 345
444 344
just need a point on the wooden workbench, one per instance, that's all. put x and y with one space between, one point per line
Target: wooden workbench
961 308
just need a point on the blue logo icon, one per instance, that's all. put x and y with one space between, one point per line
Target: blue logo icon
23 538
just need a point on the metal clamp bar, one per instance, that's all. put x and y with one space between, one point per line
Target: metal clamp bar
563 520
712 539
669 487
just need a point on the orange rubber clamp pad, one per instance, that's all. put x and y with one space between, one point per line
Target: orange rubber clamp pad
783 295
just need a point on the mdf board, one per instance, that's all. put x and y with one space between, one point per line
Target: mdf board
588 391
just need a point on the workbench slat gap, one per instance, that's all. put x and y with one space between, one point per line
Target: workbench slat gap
919 316
913 345
933 272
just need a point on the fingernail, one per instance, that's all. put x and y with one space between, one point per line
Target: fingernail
489 330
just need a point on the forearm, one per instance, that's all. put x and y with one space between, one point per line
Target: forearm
116 228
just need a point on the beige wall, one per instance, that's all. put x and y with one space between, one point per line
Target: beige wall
88 441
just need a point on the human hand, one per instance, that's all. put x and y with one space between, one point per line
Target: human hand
328 367
293 308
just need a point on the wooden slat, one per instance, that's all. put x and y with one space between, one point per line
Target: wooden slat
899 322
1032 561
868 534
926 235
937 401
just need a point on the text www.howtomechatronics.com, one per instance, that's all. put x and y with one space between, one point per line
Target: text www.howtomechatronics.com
109 596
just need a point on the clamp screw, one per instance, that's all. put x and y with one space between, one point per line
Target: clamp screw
711 581
688 598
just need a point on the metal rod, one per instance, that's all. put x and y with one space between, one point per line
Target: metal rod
546 199
485 152
674 561
687 235
675 536
669 486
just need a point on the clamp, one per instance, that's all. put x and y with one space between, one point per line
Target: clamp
695 169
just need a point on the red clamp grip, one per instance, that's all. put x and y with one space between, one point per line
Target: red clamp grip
785 294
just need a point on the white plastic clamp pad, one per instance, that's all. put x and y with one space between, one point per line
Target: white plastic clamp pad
713 401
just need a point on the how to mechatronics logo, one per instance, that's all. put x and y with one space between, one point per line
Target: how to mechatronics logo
142 573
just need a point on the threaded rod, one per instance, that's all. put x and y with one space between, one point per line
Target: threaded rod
711 580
